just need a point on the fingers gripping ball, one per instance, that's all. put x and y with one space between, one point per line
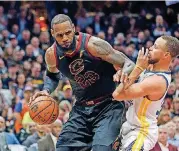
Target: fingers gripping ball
44 110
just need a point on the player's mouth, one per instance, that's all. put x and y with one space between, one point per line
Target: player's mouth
67 44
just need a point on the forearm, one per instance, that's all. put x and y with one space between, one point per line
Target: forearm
119 93
134 75
51 81
120 90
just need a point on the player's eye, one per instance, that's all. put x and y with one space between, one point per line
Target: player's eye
59 35
67 33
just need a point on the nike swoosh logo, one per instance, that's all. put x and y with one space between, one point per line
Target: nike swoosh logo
61 57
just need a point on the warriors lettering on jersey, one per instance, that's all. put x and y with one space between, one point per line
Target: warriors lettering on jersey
86 79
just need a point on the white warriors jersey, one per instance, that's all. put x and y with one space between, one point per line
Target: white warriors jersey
144 112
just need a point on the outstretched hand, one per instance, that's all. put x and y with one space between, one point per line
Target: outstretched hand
37 94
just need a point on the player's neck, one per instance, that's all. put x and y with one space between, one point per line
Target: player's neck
160 66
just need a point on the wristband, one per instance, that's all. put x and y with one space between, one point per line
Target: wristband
139 68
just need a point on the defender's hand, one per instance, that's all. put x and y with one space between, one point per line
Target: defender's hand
37 94
142 59
120 77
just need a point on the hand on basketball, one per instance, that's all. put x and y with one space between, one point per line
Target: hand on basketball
142 59
37 94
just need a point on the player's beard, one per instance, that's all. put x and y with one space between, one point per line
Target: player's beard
153 61
71 47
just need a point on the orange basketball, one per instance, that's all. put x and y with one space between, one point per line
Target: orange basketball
44 110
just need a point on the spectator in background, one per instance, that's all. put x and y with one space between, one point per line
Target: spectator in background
131 52
35 43
124 22
142 21
162 143
176 121
175 111
65 104
33 138
119 42
172 139
8 55
12 72
6 138
101 35
61 113
175 28
5 35
83 20
25 40
96 25
164 117
48 142
22 20
167 103
27 68
149 44
110 35
133 27
21 108
15 30
140 41
36 75
3 18
19 85
44 40
29 53
3 103
160 28
18 57
3 68
36 30
171 90
89 30
67 94
148 36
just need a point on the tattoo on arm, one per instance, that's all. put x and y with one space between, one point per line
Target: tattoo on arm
105 51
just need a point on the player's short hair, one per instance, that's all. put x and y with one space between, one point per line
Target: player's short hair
60 18
172 45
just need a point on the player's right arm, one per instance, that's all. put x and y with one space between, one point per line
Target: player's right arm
52 77
153 87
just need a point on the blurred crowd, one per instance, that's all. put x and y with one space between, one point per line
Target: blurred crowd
24 40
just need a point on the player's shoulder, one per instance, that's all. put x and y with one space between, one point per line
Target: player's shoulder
156 80
94 39
94 42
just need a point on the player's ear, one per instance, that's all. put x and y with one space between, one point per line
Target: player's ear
52 33
167 54
73 26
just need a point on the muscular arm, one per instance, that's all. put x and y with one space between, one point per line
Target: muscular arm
52 73
153 87
102 49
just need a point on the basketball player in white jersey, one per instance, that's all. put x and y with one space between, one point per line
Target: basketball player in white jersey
140 131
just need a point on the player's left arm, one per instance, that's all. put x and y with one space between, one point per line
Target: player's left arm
102 49
152 87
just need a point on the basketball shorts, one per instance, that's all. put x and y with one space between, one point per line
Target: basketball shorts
137 139
92 125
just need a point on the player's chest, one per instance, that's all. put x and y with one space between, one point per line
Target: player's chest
79 67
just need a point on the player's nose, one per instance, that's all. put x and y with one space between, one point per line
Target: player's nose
65 38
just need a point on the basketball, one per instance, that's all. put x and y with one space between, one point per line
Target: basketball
44 110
